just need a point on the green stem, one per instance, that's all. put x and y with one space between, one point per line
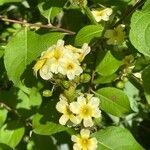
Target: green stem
89 15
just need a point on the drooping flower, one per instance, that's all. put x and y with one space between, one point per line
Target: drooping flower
115 36
86 108
63 107
71 68
102 14
84 141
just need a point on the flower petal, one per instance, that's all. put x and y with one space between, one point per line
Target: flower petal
85 133
61 106
63 119
75 107
94 101
87 122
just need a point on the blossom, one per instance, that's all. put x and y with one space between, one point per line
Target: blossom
63 107
71 68
84 141
45 72
86 108
115 36
102 14
79 53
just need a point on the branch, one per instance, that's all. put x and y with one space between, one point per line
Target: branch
130 11
3 105
48 26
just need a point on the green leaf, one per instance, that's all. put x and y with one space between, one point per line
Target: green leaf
11 133
108 65
116 138
3 116
140 22
87 33
23 48
46 128
105 79
113 101
28 99
37 142
8 1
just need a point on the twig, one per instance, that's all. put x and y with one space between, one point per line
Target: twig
3 105
48 26
130 11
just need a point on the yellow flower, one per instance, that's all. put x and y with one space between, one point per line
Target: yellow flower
45 72
71 68
84 141
79 53
102 14
58 53
63 107
115 36
86 108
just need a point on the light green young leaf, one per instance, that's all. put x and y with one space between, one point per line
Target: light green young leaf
108 65
8 1
87 33
46 128
11 133
3 116
25 47
140 22
116 138
30 99
113 101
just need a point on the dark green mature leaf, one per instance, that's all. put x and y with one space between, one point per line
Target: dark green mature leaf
140 22
25 47
47 128
116 138
11 133
108 65
87 33
37 142
113 101
146 82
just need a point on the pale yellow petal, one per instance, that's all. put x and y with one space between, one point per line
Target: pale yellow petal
75 107
85 133
87 122
94 101
63 119
61 106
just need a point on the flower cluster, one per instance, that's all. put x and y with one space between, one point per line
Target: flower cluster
102 14
82 111
63 59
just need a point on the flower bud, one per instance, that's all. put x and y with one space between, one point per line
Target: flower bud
47 93
66 84
85 78
120 84
81 3
97 121
125 79
70 93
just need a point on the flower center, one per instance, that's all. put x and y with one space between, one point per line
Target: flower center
86 111
70 66
57 54
85 142
68 111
